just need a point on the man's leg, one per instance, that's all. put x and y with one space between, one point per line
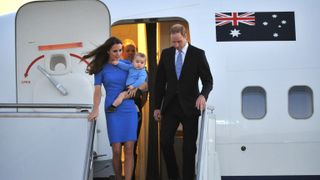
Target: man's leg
190 133
169 124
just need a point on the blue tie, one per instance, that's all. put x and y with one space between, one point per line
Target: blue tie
179 64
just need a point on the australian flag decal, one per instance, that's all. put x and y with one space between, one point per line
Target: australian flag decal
255 26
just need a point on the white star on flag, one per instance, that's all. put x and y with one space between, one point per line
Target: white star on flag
235 33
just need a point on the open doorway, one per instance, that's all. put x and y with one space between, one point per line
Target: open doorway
149 36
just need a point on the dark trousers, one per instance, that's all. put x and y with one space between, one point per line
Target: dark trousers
169 124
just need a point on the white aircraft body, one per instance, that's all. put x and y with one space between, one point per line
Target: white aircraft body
262 119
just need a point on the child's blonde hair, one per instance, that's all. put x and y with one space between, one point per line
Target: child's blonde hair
139 54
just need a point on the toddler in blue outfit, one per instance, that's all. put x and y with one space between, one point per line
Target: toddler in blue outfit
137 75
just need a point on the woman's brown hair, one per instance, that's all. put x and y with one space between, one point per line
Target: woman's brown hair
100 55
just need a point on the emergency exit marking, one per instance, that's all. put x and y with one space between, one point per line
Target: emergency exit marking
60 46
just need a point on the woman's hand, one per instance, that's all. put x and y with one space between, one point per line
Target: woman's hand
93 115
132 92
96 101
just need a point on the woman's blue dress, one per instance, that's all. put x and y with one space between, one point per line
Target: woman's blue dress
123 122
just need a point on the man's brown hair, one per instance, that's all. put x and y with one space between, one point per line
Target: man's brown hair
178 28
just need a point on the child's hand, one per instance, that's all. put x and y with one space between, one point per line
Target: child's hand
130 87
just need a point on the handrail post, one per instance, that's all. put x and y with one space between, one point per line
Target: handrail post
89 156
201 145
202 173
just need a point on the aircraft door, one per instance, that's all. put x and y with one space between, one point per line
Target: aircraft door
51 38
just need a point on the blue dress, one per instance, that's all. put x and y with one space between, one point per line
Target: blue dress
123 122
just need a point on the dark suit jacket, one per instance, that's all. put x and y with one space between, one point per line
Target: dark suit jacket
167 86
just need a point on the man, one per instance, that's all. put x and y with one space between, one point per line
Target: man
177 94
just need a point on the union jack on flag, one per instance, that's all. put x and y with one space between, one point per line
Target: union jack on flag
255 26
235 18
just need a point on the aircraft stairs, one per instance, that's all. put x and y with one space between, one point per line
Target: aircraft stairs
46 141
52 141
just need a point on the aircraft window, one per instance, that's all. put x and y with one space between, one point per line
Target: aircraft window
300 102
254 104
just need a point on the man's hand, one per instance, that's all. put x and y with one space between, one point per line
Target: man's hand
201 103
157 114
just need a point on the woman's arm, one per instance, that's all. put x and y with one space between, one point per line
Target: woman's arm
96 103
144 87
144 98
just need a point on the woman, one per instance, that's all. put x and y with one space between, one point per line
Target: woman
129 51
121 124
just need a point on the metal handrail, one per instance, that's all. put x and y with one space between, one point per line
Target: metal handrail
45 105
65 115
89 156
202 138
201 141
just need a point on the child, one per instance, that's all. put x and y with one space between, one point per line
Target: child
137 76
